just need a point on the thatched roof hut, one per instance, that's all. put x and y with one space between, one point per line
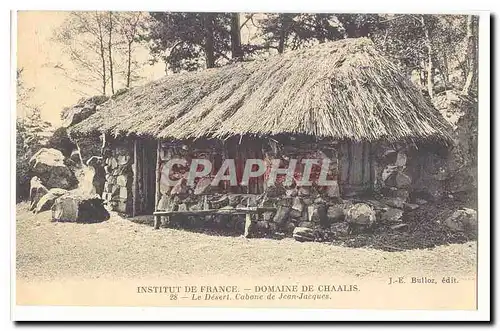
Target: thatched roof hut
343 90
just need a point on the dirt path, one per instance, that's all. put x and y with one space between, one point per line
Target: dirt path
119 248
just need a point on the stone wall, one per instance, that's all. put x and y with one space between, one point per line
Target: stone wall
119 176
295 205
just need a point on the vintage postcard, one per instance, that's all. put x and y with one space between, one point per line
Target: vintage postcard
250 160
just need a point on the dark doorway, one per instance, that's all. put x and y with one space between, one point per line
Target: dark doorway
144 201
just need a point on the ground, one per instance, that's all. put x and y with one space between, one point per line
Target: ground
119 248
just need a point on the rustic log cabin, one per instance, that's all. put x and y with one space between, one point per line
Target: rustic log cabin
341 101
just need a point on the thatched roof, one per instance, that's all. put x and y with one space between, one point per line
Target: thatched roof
340 90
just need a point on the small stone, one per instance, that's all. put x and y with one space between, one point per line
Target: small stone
123 193
410 206
421 201
393 215
335 214
400 227
262 225
309 225
333 191
267 216
282 215
340 229
402 180
203 186
298 204
123 159
388 175
394 202
122 180
303 234
401 159
304 191
233 199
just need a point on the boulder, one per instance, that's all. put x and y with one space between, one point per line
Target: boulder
78 113
37 191
463 220
361 214
61 141
392 215
48 165
335 214
47 201
303 234
80 209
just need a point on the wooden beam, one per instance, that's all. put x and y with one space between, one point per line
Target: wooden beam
135 186
157 184
235 211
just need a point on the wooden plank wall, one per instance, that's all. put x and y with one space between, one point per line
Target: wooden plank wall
356 167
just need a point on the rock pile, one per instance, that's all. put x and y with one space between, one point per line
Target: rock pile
463 220
119 178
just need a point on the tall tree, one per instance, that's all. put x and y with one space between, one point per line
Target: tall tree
236 50
189 41
110 50
100 46
471 40
130 27
292 31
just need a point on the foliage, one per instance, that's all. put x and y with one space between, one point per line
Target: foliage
29 137
181 40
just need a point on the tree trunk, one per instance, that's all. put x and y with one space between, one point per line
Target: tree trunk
110 31
471 54
101 53
430 68
236 37
209 39
281 43
129 62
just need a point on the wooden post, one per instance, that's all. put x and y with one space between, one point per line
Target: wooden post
248 225
157 184
135 185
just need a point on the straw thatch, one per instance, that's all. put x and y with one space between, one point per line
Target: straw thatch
339 90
